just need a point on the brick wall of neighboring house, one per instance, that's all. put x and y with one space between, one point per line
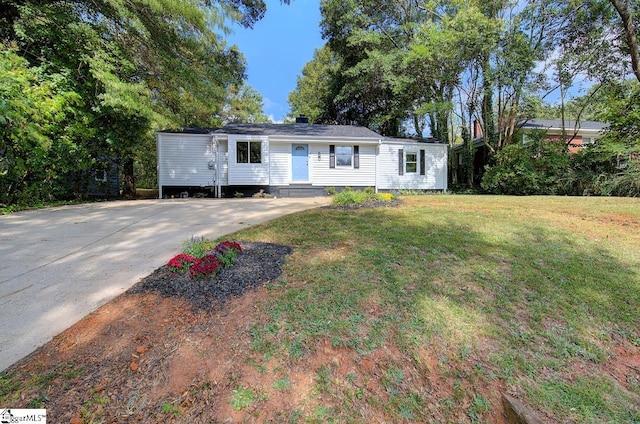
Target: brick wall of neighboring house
575 143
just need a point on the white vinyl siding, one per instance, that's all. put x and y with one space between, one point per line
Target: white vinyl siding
340 176
279 163
248 173
435 177
183 160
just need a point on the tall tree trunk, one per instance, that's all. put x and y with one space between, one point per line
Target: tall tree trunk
630 33
488 115
129 182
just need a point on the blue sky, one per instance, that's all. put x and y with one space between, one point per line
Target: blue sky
277 48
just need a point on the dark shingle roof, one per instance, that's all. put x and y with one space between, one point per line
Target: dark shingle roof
189 131
411 140
546 124
298 130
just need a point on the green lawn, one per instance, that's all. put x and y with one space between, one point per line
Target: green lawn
459 299
425 312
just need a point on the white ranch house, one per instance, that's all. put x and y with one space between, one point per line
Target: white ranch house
294 160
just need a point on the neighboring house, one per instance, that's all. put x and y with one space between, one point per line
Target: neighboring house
578 134
292 160
104 179
101 181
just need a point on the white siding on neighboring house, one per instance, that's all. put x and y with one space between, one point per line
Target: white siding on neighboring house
279 163
435 161
323 175
248 173
183 160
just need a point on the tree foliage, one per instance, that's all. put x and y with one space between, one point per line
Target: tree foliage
537 167
403 66
116 70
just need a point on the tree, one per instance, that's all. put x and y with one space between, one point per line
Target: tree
629 14
369 38
133 65
317 88
243 104
36 117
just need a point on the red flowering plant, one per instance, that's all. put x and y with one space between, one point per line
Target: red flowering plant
205 267
203 262
227 251
180 263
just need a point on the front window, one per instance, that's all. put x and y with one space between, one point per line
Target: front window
249 152
100 175
344 155
411 162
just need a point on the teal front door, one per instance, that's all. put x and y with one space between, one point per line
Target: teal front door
300 162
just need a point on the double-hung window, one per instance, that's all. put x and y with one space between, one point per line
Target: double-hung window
249 152
344 156
411 162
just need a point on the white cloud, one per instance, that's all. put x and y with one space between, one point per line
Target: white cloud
274 120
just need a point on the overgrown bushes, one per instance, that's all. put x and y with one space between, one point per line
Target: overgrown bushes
541 167
536 167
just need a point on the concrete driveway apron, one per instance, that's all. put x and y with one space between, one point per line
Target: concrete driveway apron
57 265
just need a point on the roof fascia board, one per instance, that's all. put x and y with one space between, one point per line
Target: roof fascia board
323 139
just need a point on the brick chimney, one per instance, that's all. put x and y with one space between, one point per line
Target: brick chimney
477 129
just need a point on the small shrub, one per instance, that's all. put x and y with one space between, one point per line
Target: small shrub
261 195
180 263
205 267
386 197
198 246
349 198
238 194
206 258
369 190
226 252
353 198
331 191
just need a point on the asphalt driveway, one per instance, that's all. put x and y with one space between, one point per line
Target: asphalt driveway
57 265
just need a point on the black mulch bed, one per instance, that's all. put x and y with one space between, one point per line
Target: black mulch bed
258 264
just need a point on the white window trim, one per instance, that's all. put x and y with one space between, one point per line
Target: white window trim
100 175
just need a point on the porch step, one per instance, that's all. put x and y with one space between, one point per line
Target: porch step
298 190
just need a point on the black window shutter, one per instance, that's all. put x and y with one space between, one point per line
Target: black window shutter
332 156
422 162
401 162
356 157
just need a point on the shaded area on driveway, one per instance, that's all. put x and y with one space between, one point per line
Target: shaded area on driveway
60 264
